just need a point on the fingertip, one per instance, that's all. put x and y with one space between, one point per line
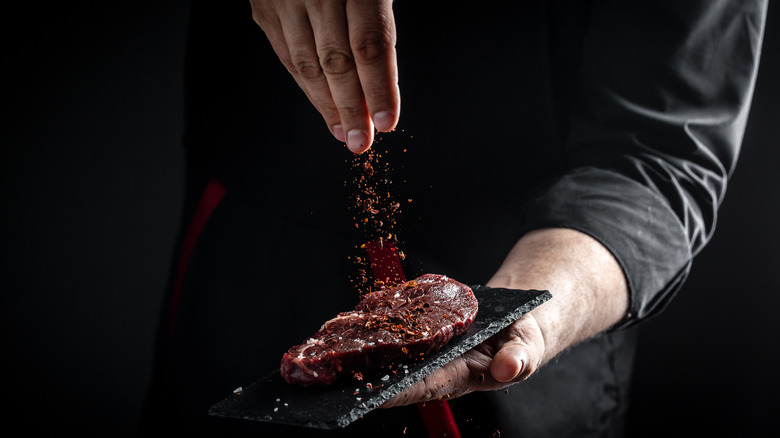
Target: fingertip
384 121
338 132
507 365
358 141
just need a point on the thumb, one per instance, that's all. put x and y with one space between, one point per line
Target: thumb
511 363
520 351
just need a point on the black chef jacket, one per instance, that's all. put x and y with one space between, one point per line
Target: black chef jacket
622 120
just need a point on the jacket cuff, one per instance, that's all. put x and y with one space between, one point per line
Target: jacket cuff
633 223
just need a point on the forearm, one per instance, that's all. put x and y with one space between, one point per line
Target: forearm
588 286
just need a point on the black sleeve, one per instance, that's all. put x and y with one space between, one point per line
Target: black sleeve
661 101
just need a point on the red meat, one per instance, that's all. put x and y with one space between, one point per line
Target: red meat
388 326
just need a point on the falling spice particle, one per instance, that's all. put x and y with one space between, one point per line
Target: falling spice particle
374 211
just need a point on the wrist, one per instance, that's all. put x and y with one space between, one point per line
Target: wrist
587 284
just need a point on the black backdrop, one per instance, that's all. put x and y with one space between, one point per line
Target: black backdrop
91 175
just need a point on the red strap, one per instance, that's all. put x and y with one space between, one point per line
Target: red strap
208 202
385 262
438 419
386 266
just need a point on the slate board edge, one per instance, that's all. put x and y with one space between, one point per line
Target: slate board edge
218 408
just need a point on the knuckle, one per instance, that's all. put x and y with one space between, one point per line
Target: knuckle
258 17
516 333
350 112
376 94
430 392
429 395
306 65
336 61
329 111
436 386
262 12
372 45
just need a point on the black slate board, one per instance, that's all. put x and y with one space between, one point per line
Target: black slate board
271 399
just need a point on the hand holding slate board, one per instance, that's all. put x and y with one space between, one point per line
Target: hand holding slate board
271 399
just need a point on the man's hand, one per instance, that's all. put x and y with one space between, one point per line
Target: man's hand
506 358
590 294
342 55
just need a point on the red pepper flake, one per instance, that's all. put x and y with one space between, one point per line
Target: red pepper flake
367 167
373 208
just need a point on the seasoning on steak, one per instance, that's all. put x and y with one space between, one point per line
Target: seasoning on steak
387 326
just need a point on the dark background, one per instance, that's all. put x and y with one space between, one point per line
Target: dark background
91 178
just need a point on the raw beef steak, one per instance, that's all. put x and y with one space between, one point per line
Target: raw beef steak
387 326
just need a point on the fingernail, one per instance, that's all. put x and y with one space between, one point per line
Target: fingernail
356 140
338 131
383 120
